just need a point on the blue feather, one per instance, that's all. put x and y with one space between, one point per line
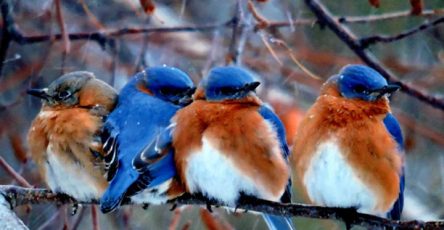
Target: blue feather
394 129
135 123
278 222
271 117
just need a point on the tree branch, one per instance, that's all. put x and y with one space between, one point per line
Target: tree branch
22 181
20 196
387 16
6 36
368 41
325 17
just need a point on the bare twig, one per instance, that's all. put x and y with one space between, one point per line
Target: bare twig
353 43
366 42
388 16
79 218
62 26
7 37
102 37
20 196
236 21
95 218
175 219
22 181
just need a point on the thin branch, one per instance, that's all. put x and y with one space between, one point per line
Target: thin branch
22 181
62 26
19 196
103 37
387 16
353 43
95 218
6 36
237 19
368 41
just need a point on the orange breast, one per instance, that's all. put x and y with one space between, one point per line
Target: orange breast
70 133
240 132
359 128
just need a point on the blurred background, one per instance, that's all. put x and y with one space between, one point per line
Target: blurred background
198 39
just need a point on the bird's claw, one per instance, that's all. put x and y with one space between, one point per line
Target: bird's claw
74 208
173 207
208 204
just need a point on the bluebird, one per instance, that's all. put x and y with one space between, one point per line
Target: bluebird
64 138
145 106
228 146
349 148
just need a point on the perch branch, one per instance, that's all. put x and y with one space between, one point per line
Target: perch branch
19 196
353 43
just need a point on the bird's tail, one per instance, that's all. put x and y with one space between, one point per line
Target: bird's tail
116 191
278 222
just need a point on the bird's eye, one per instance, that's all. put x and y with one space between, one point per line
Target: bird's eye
360 89
63 95
227 90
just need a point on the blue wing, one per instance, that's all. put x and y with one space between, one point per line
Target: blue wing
278 222
127 131
155 163
394 129
271 117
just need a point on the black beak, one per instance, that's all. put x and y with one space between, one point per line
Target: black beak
40 93
388 89
251 86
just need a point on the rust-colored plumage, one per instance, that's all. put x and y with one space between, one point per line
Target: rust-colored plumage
358 127
69 133
236 128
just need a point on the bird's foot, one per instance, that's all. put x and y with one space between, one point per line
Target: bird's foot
173 207
349 215
74 208
244 200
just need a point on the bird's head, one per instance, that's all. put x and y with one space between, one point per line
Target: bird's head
76 89
228 83
167 83
362 82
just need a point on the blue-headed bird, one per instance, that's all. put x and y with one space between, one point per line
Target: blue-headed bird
348 151
145 106
228 146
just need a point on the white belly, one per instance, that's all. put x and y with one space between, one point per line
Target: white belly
69 178
156 195
213 174
330 181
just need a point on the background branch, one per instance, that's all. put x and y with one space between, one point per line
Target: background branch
355 45
368 41
17 196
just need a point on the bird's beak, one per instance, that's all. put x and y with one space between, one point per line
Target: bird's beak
40 93
386 90
188 97
251 86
